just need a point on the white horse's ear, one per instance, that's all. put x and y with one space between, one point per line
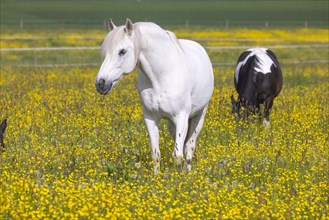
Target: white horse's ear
129 27
111 25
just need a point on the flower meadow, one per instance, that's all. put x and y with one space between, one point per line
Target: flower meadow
72 153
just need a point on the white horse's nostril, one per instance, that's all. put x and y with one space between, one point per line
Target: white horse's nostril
101 83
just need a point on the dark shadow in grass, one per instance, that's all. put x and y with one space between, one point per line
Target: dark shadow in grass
3 127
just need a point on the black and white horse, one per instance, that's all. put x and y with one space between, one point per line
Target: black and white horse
258 80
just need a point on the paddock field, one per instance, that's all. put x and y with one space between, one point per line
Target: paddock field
74 154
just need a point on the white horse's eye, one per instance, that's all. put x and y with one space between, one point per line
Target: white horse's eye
122 52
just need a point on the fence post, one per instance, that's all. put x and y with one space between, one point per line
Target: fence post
227 24
105 23
266 24
21 24
306 24
35 58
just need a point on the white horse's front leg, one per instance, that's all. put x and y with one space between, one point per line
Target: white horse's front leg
153 131
181 122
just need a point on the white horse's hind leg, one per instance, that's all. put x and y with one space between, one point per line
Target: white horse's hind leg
153 131
195 126
181 122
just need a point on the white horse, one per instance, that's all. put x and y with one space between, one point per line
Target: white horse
175 81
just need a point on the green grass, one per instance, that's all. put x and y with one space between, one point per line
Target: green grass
170 13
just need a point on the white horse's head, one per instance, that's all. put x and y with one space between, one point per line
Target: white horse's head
120 55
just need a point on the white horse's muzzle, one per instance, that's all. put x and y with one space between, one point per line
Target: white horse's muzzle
102 86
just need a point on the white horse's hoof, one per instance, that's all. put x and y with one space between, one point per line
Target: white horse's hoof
156 169
178 160
188 168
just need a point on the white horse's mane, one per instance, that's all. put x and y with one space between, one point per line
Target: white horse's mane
147 28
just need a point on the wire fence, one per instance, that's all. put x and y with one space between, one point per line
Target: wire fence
215 64
207 47
33 58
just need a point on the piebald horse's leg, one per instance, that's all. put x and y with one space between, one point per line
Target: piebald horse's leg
181 122
195 126
268 105
151 123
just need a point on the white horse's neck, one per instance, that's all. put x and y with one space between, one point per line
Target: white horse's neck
158 50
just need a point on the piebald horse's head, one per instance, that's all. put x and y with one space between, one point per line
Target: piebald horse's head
244 105
120 56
